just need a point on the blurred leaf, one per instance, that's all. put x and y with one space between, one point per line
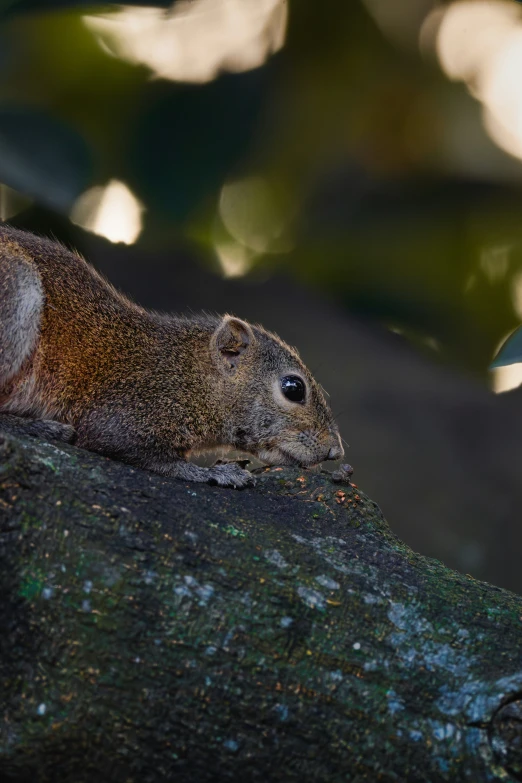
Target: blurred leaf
190 137
436 256
30 6
42 157
511 351
400 206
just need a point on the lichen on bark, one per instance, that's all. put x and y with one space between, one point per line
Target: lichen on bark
156 630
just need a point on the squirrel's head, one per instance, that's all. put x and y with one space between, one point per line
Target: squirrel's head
275 408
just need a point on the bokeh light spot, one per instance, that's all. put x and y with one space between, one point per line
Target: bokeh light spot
480 42
254 215
234 259
111 211
506 378
196 39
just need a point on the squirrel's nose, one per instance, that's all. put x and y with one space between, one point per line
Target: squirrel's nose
336 452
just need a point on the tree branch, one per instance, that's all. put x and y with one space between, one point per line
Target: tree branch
156 630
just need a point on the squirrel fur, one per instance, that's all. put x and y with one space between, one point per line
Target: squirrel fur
79 361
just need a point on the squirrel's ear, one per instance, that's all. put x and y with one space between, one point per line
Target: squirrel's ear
229 343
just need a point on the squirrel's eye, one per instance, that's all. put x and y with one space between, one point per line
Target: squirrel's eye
293 388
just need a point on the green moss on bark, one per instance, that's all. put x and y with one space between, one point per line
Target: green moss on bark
157 630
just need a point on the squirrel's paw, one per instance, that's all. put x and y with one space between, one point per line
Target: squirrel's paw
47 429
230 475
55 430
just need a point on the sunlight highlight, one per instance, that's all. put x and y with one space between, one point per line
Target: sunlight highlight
250 213
111 211
253 220
480 42
234 259
509 377
506 378
196 39
470 35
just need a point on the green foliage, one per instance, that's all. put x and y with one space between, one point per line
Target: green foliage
352 137
188 139
510 352
28 6
42 157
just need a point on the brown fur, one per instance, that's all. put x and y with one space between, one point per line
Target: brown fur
143 387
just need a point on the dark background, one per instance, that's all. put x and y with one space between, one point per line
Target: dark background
346 173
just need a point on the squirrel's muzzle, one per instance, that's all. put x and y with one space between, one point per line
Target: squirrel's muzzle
336 452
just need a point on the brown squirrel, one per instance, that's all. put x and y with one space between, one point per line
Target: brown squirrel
85 363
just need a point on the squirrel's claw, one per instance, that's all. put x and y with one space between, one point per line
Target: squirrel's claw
230 475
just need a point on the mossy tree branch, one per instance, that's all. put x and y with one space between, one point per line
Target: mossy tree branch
156 630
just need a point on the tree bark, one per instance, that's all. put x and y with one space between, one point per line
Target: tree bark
155 630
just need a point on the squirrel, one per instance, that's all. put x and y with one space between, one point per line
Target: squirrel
80 362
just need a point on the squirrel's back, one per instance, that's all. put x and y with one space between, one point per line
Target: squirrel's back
67 278
88 331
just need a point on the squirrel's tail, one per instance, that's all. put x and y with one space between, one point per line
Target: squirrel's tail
21 305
